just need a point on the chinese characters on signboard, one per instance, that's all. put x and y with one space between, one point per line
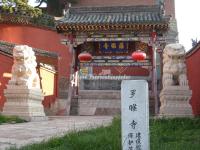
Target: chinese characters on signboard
113 47
135 115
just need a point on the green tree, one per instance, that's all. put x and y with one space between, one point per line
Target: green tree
20 6
55 7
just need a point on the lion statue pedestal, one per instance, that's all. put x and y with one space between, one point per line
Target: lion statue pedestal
23 94
175 94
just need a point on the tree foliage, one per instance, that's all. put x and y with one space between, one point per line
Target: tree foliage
55 1
55 7
20 6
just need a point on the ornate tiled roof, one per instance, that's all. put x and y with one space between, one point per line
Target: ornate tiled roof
19 17
7 48
78 17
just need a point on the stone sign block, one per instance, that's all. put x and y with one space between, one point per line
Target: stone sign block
135 115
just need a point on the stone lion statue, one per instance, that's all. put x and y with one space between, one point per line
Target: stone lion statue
24 67
174 68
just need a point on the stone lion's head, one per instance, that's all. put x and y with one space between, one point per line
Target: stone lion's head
22 53
174 50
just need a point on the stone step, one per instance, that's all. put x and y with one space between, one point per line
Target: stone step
74 103
103 101
85 105
74 106
151 101
74 111
106 103
112 94
99 94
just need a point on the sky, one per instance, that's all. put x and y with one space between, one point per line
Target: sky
188 20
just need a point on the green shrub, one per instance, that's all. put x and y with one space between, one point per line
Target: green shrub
10 119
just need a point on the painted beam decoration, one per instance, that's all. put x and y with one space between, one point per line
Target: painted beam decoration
115 64
113 47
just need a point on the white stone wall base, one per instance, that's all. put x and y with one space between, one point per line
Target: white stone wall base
24 103
175 102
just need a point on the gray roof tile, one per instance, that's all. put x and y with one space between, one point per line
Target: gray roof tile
113 15
7 48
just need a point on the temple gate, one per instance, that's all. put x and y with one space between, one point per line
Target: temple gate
110 35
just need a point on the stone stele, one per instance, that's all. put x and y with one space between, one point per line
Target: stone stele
23 93
175 94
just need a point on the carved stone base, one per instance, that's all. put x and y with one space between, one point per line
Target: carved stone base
63 107
24 103
175 102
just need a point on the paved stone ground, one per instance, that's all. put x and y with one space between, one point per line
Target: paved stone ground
33 132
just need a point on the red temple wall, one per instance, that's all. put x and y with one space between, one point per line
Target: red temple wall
38 38
192 62
6 65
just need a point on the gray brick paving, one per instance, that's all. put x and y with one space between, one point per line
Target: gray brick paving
33 132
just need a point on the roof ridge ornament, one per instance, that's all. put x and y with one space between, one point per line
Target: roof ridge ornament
66 9
162 7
